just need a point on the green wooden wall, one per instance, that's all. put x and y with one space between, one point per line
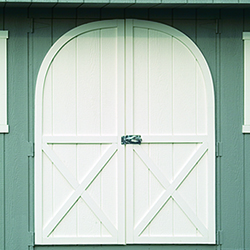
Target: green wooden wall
217 32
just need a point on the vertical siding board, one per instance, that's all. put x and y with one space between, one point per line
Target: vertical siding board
247 160
2 192
207 43
2 216
64 13
161 15
136 13
41 43
16 160
1 18
62 25
231 122
247 189
185 21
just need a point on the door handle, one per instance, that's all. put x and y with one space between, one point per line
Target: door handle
131 139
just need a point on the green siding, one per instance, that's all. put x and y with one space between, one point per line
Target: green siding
232 218
218 34
246 170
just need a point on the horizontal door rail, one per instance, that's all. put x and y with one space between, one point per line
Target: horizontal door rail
95 139
174 138
80 139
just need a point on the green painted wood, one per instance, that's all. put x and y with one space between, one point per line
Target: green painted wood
247 190
247 161
88 13
60 26
16 142
41 43
110 13
2 148
137 13
59 12
224 53
185 21
161 15
232 200
208 40
40 13
2 196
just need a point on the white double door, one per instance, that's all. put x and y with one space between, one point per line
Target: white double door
117 78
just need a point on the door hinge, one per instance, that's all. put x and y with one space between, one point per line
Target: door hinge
31 149
31 239
219 149
219 237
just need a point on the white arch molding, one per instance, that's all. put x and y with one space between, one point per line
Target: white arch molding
103 80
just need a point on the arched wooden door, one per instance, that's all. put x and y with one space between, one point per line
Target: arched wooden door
105 80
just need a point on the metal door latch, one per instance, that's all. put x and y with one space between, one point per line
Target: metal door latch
131 139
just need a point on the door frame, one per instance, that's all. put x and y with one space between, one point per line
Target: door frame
40 86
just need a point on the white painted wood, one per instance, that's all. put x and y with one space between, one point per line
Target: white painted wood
246 39
4 128
181 126
129 131
80 139
77 140
169 189
121 237
169 178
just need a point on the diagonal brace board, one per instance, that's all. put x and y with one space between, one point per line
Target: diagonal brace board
60 166
80 191
171 190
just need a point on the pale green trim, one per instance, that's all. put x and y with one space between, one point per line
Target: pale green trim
246 129
3 82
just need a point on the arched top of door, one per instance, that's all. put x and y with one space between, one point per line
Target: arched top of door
184 39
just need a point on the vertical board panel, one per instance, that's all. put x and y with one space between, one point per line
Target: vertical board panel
160 83
2 167
246 163
141 120
83 205
182 83
2 196
3 80
201 102
16 147
41 41
183 89
140 99
88 223
208 40
108 78
231 122
64 88
61 26
88 83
